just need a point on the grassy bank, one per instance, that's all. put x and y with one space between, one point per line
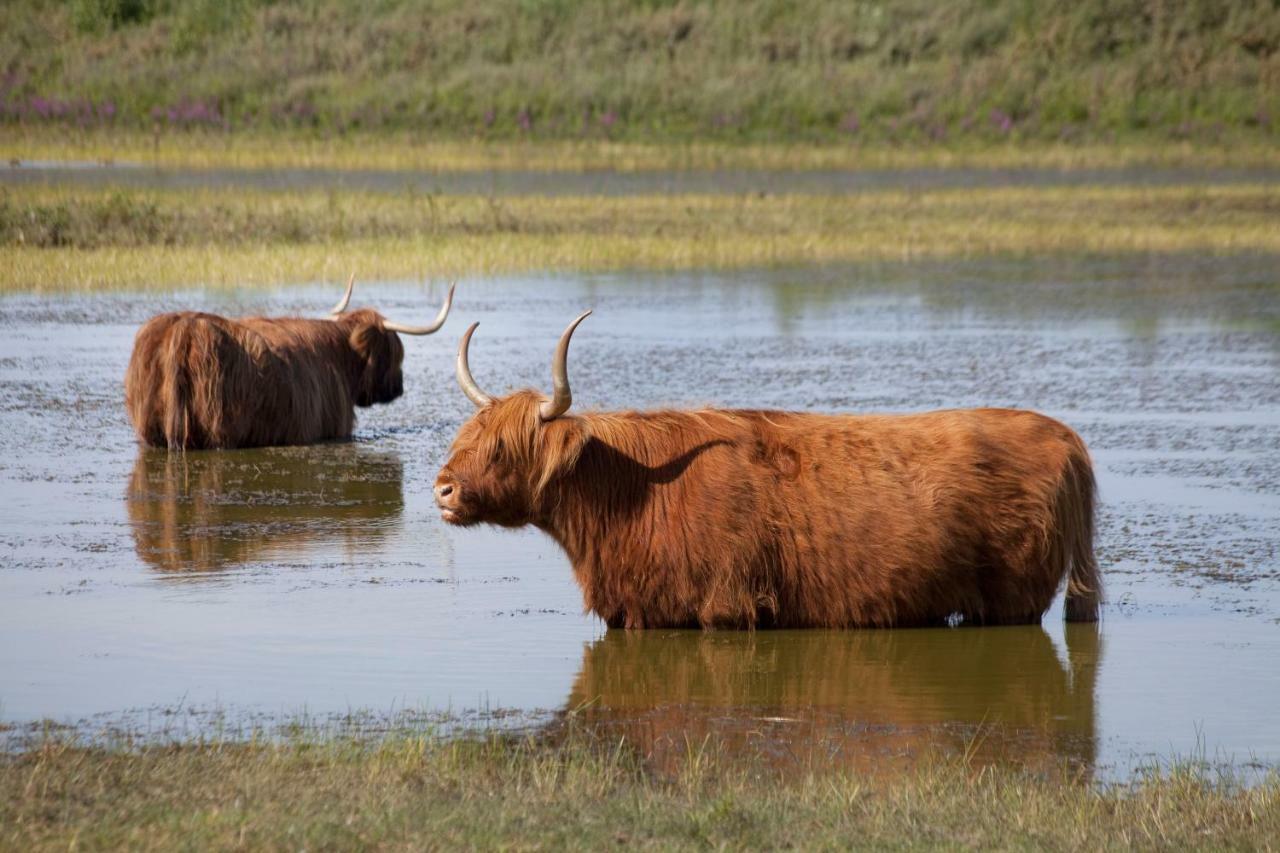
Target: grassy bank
412 791
656 70
53 238
399 150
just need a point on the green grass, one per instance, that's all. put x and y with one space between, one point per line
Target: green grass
414 791
72 238
894 71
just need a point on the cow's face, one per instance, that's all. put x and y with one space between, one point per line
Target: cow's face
503 460
380 355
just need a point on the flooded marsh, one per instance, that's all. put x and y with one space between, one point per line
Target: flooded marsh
141 587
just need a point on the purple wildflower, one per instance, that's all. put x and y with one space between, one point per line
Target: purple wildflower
1001 120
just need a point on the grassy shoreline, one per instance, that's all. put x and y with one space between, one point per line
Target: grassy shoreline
407 151
66 239
413 790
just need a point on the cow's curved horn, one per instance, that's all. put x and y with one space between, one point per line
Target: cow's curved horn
428 329
561 396
463 371
346 297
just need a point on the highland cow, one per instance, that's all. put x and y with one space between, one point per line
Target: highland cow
201 381
747 518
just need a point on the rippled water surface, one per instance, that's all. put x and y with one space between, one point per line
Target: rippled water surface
143 586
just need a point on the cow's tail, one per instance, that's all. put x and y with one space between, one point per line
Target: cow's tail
191 385
175 387
1075 520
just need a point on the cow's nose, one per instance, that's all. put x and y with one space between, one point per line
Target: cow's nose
446 494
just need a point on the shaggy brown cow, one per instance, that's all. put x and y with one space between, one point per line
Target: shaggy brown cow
781 519
200 381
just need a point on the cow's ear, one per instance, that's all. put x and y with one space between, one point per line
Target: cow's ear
563 440
364 339
369 341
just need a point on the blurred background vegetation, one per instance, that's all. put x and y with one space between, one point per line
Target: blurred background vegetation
915 71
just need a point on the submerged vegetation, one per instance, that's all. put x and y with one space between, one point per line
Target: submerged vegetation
71 238
657 70
413 790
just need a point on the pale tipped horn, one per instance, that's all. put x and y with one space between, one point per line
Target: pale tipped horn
463 371
346 297
561 396
428 329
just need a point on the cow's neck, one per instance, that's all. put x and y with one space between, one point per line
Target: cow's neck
342 353
629 457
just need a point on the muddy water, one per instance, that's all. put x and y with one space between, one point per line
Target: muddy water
180 593
609 183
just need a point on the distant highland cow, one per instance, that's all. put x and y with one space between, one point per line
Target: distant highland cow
201 381
740 519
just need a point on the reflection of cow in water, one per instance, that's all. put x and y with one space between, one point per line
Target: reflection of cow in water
212 510
859 699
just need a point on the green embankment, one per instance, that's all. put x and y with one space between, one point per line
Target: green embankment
896 71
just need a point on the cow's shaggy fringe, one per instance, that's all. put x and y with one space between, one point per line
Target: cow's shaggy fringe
780 519
200 381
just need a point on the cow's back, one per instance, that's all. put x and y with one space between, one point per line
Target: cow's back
904 519
301 365
799 520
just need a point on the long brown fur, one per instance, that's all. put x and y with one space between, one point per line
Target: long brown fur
778 519
201 381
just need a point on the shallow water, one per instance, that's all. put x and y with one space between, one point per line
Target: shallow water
136 584
610 183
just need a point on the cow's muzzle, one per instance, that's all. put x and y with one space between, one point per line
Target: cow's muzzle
449 498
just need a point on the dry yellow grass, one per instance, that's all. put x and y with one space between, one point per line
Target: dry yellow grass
233 238
408 151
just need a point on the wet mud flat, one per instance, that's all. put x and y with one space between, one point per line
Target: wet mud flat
180 593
